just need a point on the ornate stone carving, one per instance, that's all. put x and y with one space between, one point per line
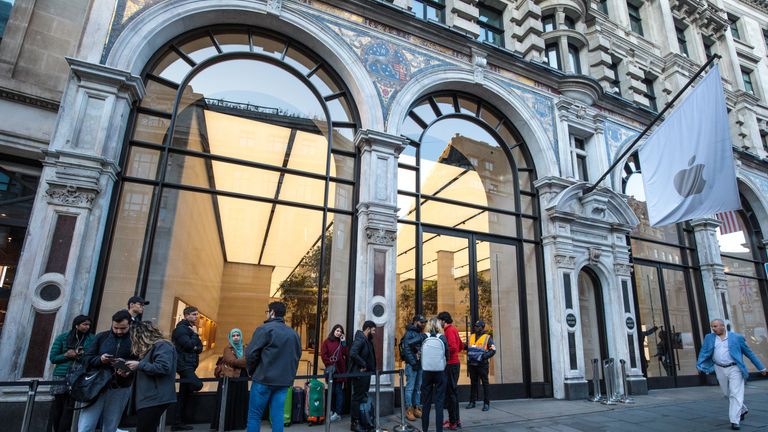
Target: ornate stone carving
721 284
381 236
622 269
70 196
274 6
565 261
479 64
594 255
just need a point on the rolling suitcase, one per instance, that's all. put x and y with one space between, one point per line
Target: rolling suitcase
315 405
297 407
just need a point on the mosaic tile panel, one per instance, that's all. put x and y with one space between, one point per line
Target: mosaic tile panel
616 136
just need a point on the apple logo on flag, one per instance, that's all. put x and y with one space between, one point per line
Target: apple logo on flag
690 181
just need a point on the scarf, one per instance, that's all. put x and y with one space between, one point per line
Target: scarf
237 346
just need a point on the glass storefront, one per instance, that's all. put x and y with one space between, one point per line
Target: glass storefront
238 189
468 234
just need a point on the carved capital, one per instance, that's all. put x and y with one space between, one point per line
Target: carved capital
381 236
565 261
622 269
70 196
721 284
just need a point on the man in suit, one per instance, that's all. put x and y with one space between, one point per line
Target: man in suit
723 352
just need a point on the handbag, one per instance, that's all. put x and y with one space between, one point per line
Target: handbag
87 385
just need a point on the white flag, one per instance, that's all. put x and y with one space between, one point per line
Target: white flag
687 163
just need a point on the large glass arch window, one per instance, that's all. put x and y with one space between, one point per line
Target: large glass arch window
468 240
668 295
238 189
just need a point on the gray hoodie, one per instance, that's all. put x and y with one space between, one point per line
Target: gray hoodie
273 354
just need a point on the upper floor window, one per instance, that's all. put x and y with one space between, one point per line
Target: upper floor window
746 76
765 38
491 26
429 9
549 23
579 151
602 6
650 94
553 56
5 13
569 23
635 20
734 24
681 40
573 59
616 82
709 46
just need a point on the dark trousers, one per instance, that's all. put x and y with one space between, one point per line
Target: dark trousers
452 372
432 389
189 383
147 419
478 373
60 417
338 397
360 387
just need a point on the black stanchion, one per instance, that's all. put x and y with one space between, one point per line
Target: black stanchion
223 404
403 426
377 391
329 380
31 394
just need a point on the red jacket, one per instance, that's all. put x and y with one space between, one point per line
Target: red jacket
327 350
454 343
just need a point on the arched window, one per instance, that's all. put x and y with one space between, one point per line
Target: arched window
468 240
237 188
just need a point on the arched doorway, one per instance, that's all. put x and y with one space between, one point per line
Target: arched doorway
592 312
238 188
468 234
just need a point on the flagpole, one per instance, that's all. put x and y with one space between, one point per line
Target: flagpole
652 123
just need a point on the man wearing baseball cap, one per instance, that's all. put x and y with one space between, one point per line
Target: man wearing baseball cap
136 308
410 346
479 351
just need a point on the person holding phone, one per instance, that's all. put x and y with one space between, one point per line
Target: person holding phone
107 351
67 350
334 354
155 374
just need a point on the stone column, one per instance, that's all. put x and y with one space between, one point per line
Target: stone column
56 273
375 289
711 266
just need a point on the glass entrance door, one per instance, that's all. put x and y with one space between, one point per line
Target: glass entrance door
669 338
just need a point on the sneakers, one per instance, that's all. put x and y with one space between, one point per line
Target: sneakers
486 407
417 412
335 417
470 405
734 426
451 426
743 414
409 414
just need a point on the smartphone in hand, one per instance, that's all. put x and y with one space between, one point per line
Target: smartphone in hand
119 365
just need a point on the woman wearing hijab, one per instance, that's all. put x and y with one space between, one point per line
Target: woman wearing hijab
334 354
66 352
155 385
232 364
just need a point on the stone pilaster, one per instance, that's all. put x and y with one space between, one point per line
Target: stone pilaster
73 199
375 295
711 266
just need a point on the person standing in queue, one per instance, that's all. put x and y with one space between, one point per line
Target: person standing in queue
67 351
362 358
452 371
188 346
272 357
480 349
155 375
334 354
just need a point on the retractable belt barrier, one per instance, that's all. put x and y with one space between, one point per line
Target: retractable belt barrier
33 386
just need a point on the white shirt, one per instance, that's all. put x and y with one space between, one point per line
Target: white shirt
721 355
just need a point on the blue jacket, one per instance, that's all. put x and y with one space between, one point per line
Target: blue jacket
737 347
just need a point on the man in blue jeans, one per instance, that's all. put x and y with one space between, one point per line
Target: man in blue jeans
273 357
410 347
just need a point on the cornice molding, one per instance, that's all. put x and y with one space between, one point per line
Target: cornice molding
26 99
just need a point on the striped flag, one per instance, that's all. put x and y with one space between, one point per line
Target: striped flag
729 222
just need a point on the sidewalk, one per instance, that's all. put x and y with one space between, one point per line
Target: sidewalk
697 409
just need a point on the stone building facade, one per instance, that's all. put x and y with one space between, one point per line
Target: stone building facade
373 160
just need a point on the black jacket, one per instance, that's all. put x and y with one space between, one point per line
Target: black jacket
156 377
188 346
411 344
273 354
107 342
362 354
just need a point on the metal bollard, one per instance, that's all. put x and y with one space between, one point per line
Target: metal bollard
625 397
223 404
608 400
76 417
25 424
403 426
596 393
161 426
328 402
378 390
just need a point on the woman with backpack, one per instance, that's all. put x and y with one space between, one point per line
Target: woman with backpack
232 364
334 354
66 352
434 356
155 385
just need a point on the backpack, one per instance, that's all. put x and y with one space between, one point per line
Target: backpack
433 354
